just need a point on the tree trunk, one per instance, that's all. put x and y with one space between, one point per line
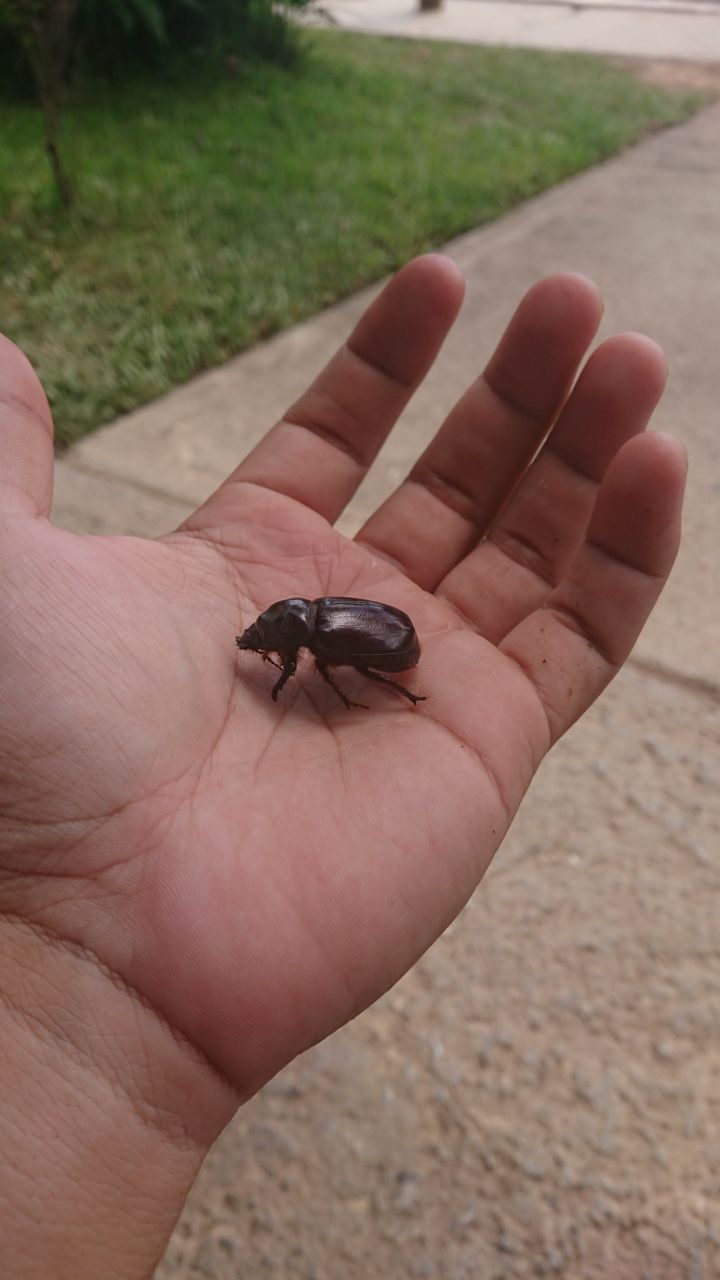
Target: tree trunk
50 106
44 28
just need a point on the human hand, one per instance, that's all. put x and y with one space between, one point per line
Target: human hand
255 873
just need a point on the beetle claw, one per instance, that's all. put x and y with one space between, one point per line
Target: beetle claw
393 684
266 658
343 698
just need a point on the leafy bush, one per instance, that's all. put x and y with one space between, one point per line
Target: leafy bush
114 37
115 34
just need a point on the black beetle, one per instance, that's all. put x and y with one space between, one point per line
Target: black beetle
341 632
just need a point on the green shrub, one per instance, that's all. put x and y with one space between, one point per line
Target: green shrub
118 34
117 37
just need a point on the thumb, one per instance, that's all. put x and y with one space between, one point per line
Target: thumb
26 437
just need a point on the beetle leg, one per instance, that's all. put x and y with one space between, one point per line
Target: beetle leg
266 658
345 701
289 667
375 675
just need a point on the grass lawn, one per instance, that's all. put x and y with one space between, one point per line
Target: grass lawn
216 209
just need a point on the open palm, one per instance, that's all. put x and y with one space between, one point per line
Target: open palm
259 872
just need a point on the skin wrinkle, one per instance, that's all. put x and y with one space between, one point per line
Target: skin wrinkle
52 826
97 818
127 806
77 889
333 438
442 487
576 473
12 491
574 621
210 752
527 672
356 1000
624 561
521 411
521 552
329 961
488 769
341 762
44 1025
444 490
22 874
209 539
352 1004
102 820
100 661
343 439
328 573
275 728
363 541
148 1115
9 401
379 585
397 384
10 520
82 889
563 456
49 936
213 537
463 618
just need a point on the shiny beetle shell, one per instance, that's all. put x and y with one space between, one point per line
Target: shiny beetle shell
340 631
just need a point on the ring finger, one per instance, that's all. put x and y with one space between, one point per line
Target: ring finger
528 548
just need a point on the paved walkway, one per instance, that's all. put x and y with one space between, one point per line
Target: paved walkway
539 1097
684 29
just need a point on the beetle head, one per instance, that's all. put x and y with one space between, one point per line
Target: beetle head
283 628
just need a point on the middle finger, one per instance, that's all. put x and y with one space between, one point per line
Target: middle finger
535 538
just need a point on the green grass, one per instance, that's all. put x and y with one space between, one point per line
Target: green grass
214 210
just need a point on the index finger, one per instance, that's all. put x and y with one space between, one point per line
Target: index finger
320 450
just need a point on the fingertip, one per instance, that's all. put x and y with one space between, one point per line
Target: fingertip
440 264
670 463
644 346
625 376
411 317
569 292
547 337
438 277
640 359
581 282
656 457
672 450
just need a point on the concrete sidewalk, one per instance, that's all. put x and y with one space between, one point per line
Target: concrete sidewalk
675 29
539 1097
